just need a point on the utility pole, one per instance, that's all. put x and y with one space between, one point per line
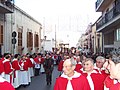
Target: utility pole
44 37
43 27
55 36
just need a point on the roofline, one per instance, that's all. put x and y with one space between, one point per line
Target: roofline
16 7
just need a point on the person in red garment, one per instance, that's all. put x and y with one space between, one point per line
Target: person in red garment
1 68
16 67
60 65
95 79
113 66
8 69
79 64
4 85
70 79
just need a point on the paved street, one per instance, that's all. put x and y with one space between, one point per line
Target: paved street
39 83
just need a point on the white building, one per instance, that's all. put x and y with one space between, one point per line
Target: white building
27 29
47 45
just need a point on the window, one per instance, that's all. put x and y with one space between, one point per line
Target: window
36 40
19 38
118 34
1 34
109 38
29 39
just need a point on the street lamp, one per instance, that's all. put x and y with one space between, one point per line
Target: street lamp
45 37
44 41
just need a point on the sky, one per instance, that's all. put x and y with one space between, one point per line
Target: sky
68 18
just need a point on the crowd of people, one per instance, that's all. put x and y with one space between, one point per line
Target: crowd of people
17 70
102 72
77 71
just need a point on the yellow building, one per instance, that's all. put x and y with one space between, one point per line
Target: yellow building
96 40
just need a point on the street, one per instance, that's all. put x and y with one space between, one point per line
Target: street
39 82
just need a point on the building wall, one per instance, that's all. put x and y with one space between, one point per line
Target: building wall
97 40
19 20
1 23
94 37
7 45
47 45
110 27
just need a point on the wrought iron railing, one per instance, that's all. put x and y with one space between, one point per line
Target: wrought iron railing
110 15
98 3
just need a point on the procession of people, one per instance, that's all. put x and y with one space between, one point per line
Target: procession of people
77 71
102 71
18 70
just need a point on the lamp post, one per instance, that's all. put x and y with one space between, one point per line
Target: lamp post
55 37
44 41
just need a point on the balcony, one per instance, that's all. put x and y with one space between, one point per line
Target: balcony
111 18
101 5
6 6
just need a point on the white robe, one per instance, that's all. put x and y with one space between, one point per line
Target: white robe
29 74
16 81
42 68
24 79
31 69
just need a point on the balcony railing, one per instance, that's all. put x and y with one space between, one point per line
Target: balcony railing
98 3
6 6
114 12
